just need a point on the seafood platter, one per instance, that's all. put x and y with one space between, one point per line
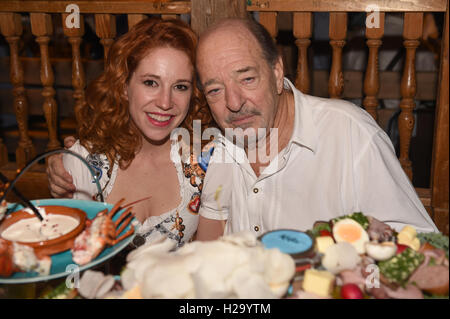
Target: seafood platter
50 238
71 232
351 257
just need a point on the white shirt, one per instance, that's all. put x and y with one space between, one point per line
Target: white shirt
153 227
338 161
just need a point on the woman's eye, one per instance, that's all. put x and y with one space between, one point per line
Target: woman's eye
150 83
181 87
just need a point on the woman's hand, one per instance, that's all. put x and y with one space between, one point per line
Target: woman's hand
59 180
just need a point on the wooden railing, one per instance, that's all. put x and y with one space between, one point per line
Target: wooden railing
367 85
42 29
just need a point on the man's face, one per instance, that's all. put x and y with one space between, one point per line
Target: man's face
241 87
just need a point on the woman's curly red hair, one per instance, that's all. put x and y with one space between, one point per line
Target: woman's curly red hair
105 123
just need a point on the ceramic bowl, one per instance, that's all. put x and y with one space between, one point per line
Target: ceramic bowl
52 246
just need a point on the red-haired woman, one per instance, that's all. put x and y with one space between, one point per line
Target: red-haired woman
148 88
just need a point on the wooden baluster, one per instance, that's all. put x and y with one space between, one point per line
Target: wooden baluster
302 32
41 27
269 21
134 19
337 32
11 28
78 76
372 78
412 30
206 12
105 28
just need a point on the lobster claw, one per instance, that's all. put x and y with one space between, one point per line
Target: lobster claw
101 232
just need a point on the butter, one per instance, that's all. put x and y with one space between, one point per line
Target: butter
318 282
408 237
323 242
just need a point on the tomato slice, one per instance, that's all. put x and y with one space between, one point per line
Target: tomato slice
401 248
325 232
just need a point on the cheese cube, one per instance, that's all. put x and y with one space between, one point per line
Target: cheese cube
415 244
318 282
133 293
323 242
404 239
408 233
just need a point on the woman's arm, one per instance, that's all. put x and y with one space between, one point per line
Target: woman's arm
209 229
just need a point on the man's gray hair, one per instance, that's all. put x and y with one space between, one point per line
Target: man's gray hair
261 35
265 40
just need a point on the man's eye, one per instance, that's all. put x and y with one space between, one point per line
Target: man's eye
212 91
248 80
150 83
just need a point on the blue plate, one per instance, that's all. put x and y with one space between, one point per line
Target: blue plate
62 263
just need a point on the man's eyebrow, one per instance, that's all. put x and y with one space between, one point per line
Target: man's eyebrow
239 71
210 81
246 69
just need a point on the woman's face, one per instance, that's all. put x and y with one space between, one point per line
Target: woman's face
159 92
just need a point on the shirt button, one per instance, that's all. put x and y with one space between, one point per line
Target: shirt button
255 190
256 228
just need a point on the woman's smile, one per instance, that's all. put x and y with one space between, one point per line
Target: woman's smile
160 120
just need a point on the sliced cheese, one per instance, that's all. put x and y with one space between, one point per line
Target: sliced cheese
318 282
323 242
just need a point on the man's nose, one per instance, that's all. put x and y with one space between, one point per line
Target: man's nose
164 99
233 98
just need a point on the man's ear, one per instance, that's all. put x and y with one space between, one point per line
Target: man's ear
278 70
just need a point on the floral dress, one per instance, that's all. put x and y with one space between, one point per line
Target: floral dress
178 224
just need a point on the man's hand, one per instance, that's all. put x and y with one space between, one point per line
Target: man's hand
59 180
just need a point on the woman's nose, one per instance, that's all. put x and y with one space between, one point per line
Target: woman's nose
164 100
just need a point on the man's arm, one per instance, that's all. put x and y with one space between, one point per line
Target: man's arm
383 189
59 180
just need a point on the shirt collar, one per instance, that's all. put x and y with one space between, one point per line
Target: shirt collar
304 132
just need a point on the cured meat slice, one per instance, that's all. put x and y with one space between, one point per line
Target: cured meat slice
432 279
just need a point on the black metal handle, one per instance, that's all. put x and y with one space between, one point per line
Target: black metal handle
43 155
22 198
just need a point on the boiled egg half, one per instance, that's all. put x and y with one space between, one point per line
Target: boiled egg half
350 231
